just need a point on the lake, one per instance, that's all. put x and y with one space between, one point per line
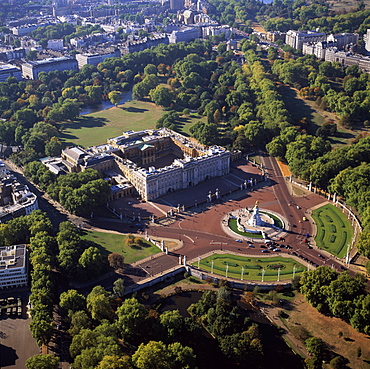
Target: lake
126 96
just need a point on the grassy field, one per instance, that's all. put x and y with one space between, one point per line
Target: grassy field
334 231
253 267
302 318
133 115
300 108
110 242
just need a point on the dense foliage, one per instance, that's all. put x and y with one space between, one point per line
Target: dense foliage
80 193
341 295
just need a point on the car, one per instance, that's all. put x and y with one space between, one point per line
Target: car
321 256
238 241
267 242
251 246
276 250
262 246
265 251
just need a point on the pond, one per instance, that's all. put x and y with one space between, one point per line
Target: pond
180 302
126 96
278 355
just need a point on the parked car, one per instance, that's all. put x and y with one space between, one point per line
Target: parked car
265 251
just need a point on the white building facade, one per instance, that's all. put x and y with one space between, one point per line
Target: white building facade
13 266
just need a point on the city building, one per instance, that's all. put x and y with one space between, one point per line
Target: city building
26 29
13 266
317 48
176 4
132 46
8 70
94 59
32 69
275 36
346 59
339 41
184 35
343 39
296 39
367 40
55 44
15 198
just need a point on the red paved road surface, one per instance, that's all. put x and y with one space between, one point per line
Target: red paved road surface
201 231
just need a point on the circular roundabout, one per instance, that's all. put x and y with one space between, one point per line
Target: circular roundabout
254 224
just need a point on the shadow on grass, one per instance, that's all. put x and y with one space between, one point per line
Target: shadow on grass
297 108
341 137
86 122
132 109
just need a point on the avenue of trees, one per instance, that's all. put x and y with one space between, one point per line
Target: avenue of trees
65 255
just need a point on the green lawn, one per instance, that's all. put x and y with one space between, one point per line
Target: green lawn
253 267
110 242
134 115
233 225
334 231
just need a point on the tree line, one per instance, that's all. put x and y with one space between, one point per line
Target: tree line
80 193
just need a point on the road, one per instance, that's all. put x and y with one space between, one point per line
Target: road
201 231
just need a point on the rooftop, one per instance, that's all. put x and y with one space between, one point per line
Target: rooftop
12 257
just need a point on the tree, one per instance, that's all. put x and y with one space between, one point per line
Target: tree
153 355
115 97
116 261
42 330
98 303
338 363
131 317
358 352
42 361
161 95
53 147
79 320
172 322
150 69
71 300
315 346
115 362
91 261
119 287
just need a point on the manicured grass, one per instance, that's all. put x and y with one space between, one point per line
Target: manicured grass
133 115
277 221
334 231
253 267
233 225
111 242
